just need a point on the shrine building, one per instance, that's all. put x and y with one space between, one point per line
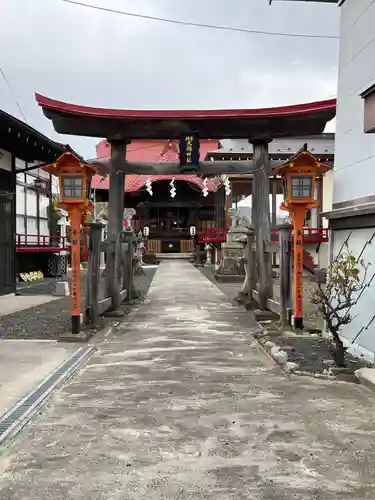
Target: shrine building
169 219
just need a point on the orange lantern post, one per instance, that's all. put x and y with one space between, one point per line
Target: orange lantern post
299 175
85 238
75 184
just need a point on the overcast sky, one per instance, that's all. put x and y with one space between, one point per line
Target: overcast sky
89 57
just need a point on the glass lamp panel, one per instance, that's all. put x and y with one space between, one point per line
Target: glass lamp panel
72 187
307 186
301 186
297 189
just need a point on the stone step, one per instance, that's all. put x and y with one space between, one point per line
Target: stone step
165 256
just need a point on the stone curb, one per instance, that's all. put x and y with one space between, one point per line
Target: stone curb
20 417
280 357
366 377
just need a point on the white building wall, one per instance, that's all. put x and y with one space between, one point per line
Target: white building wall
359 334
354 174
327 195
354 169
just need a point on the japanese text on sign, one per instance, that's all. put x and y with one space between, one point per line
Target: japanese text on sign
299 238
75 297
299 290
189 148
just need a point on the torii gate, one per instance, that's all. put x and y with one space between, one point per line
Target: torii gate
120 127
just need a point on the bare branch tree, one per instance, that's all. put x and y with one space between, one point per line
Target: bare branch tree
336 298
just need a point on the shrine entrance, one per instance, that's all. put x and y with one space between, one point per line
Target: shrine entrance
189 128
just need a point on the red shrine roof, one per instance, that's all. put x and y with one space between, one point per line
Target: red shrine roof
152 151
263 123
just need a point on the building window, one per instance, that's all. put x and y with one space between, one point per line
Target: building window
32 230
43 206
44 227
20 177
31 203
20 200
369 110
32 221
20 228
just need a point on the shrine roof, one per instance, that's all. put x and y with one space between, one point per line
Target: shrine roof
153 151
134 183
262 123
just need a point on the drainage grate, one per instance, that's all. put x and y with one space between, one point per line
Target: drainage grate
18 416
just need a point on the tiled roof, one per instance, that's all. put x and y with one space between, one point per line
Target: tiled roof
153 151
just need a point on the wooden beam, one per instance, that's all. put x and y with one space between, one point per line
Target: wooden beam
206 168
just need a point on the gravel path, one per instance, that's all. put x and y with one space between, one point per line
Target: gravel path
49 321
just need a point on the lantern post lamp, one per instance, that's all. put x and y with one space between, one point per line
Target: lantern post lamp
75 185
299 175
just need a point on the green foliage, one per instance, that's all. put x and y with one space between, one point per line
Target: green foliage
54 215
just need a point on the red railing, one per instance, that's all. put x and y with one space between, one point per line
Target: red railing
40 243
310 234
213 235
219 234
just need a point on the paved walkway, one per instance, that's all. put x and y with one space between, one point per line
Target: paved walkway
25 364
14 303
181 404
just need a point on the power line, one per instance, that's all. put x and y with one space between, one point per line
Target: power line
200 25
12 93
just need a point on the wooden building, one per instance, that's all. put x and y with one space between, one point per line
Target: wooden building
168 218
26 242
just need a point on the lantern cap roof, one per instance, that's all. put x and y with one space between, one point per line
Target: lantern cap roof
67 158
302 158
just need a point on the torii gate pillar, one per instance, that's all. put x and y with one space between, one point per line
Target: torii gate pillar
261 221
115 221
